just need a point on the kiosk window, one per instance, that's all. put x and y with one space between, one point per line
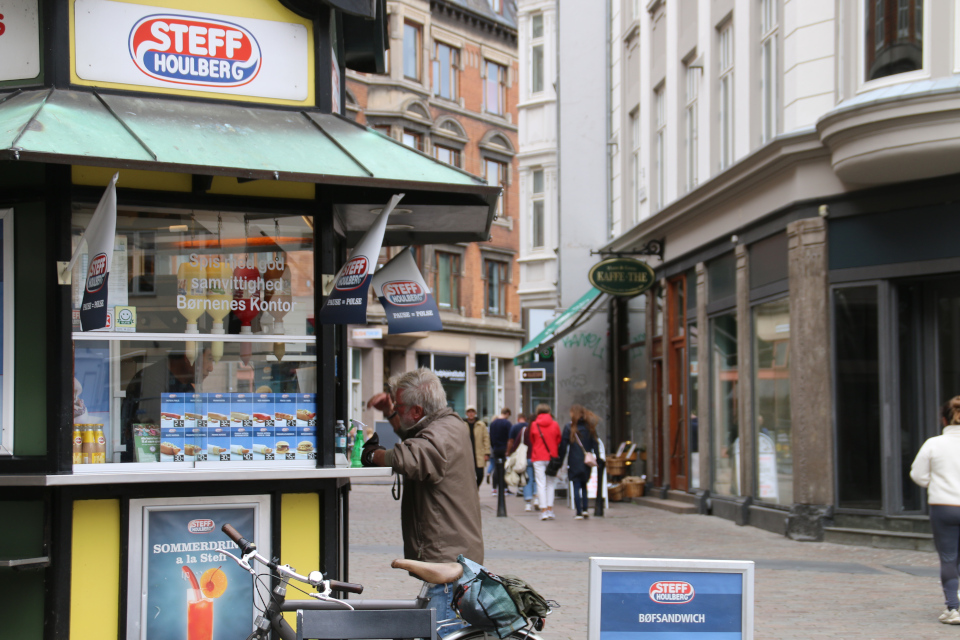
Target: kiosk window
209 354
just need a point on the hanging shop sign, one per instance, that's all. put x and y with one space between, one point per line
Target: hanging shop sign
622 276
347 303
405 296
646 598
533 375
19 40
148 46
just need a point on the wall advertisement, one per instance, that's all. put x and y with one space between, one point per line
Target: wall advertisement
651 598
135 44
189 588
19 40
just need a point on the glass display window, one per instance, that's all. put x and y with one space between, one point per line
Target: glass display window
209 356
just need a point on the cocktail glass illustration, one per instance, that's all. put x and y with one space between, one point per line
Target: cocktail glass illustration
199 615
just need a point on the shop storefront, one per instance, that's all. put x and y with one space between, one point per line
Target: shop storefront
796 357
211 395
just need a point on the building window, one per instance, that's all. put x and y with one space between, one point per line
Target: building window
496 274
536 53
494 87
496 174
725 404
445 64
447 290
768 69
661 150
537 233
496 5
635 163
447 154
893 45
771 384
413 139
690 122
411 51
726 95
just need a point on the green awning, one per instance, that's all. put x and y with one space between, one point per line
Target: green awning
252 142
555 329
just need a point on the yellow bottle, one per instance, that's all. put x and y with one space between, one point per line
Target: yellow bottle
219 295
191 299
278 298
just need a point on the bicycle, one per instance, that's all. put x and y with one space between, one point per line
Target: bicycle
382 614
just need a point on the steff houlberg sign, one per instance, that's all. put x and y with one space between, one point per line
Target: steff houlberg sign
175 49
655 598
19 40
621 276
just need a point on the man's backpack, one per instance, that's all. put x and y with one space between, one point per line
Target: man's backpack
502 604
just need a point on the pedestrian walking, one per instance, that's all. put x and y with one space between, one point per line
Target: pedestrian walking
544 445
578 443
440 508
520 435
937 467
499 436
480 439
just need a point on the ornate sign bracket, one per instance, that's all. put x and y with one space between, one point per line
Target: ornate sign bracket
652 248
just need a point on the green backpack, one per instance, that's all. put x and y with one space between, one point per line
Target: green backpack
503 604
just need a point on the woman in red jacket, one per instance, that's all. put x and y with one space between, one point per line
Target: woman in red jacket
544 444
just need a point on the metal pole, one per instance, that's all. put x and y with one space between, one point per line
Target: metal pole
501 484
598 506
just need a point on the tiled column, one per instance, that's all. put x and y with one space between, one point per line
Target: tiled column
811 401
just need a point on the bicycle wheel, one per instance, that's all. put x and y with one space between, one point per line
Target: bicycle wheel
472 633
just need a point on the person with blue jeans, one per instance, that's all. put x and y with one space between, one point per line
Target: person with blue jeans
580 435
440 507
937 467
520 434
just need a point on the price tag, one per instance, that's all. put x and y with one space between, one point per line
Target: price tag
224 457
291 456
201 457
178 423
311 456
247 423
248 456
178 457
268 423
291 423
201 423
268 456
311 423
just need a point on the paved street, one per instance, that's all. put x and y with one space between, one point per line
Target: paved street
803 590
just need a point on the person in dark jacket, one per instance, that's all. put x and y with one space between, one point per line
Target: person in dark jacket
499 436
580 436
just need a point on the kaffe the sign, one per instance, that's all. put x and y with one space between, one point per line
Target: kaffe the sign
622 276
651 598
19 40
155 47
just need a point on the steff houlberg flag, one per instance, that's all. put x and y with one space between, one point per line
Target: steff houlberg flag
347 303
99 236
402 291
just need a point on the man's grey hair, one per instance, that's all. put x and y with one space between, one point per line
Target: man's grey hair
421 388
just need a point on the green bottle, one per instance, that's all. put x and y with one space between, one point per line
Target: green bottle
357 444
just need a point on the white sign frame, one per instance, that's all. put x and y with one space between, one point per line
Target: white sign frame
20 40
599 565
137 546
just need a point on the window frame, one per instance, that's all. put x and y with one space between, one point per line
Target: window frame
456 278
538 221
725 93
416 135
537 42
660 128
501 87
7 415
864 84
455 154
417 47
691 130
453 71
503 268
503 172
769 41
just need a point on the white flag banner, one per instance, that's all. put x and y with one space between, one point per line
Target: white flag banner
405 297
99 235
347 303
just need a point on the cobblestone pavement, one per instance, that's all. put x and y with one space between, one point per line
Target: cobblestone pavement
803 590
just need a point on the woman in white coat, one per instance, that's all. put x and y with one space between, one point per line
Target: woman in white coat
937 467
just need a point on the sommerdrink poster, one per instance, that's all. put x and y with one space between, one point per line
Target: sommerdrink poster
193 590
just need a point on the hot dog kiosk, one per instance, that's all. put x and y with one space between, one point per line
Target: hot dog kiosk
212 393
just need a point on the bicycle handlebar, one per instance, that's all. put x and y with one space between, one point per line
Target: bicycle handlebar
352 587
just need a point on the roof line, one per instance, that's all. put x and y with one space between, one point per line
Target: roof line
10 95
126 126
337 143
26 125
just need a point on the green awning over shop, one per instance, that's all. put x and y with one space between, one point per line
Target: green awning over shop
248 142
555 329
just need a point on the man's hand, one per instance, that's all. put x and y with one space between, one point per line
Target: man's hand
370 447
381 402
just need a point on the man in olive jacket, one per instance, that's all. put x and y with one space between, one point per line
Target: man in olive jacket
440 507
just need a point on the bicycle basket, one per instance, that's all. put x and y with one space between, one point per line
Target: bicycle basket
482 600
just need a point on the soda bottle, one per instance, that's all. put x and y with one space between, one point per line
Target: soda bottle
77 446
357 445
100 450
340 438
88 445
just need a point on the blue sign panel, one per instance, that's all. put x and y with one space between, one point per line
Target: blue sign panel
670 605
193 590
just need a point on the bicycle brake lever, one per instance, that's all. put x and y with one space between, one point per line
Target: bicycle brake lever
242 561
